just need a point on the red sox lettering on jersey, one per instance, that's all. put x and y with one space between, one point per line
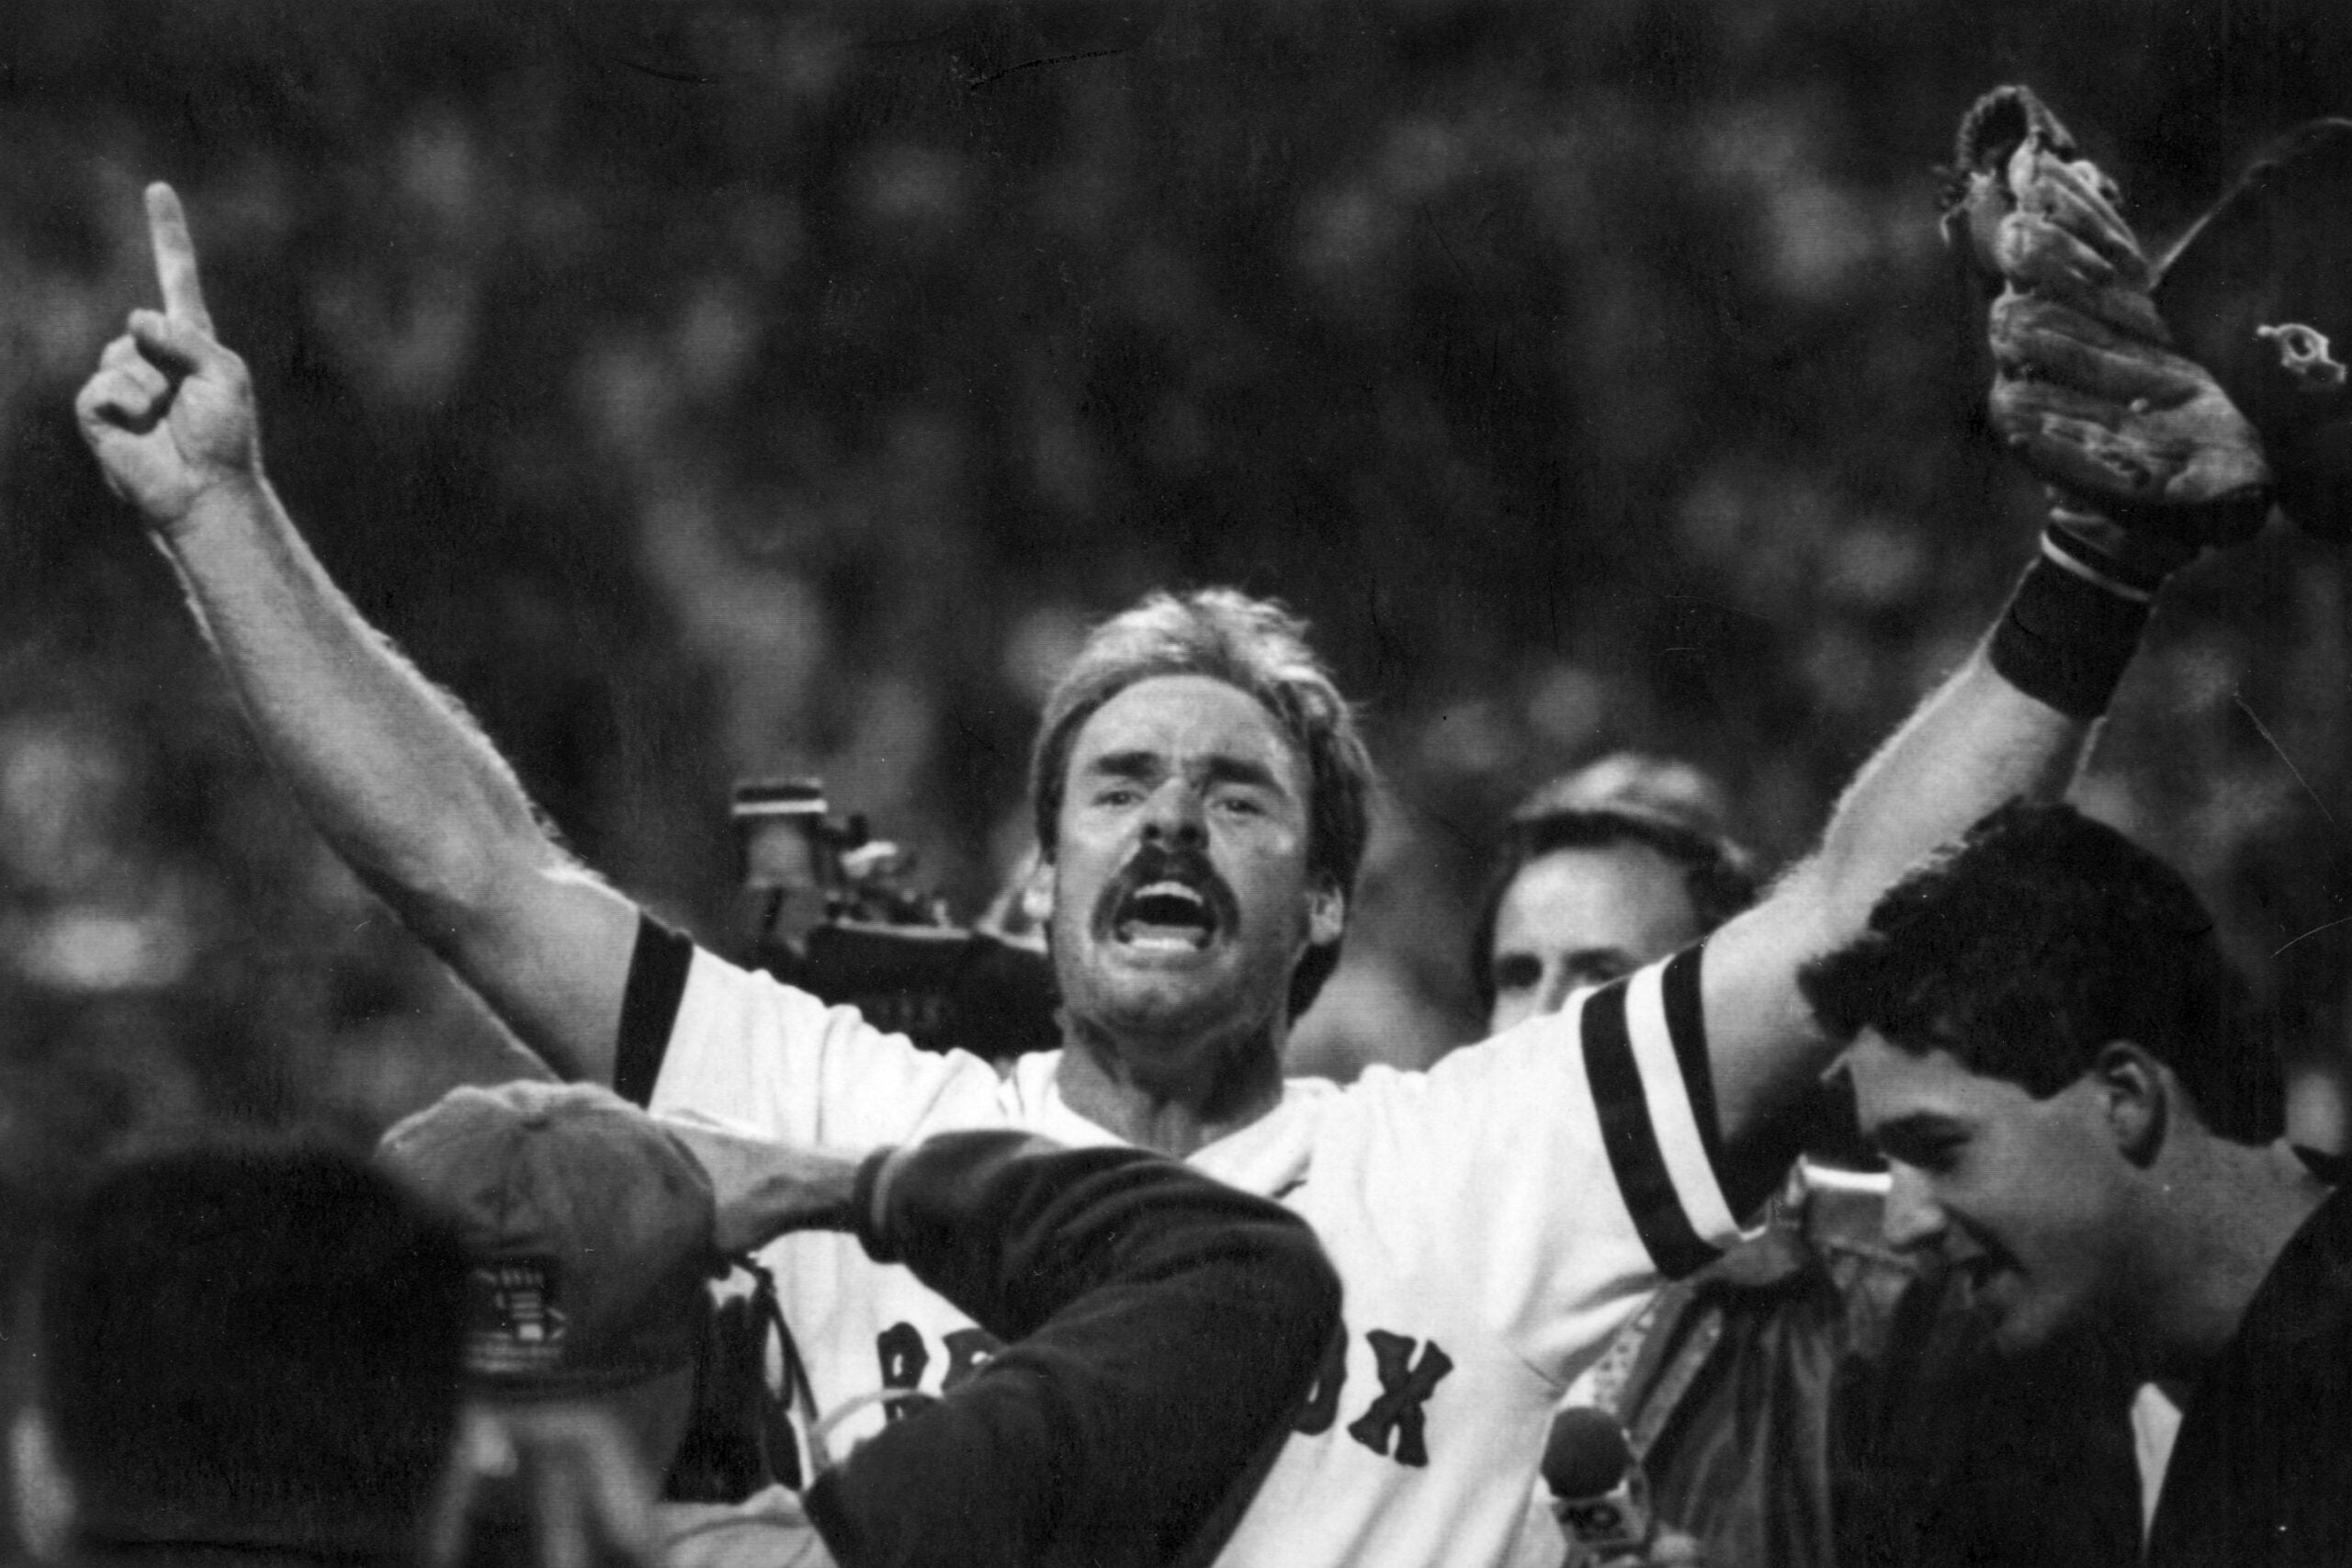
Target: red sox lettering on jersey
1395 1412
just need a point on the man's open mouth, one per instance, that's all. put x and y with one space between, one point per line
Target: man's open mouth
1165 913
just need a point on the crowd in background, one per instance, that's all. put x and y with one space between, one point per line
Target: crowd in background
711 391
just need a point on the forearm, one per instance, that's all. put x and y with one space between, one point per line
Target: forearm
2016 721
396 777
393 773
1976 742
762 1189
2013 721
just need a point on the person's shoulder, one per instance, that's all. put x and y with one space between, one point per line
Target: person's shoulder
1548 1040
2298 1327
723 996
2312 1279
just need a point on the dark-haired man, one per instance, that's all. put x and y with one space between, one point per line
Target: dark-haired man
1200 789
2081 1113
244 1354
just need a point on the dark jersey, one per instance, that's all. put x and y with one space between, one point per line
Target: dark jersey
2261 1474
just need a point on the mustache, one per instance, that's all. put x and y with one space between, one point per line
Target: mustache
1160 862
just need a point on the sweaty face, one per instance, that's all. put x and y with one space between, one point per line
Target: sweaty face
1578 917
1181 897
2020 1194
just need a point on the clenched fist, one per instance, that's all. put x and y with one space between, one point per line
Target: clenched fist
170 412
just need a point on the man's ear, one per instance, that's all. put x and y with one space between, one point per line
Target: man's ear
1326 915
2136 1095
1037 892
44 1496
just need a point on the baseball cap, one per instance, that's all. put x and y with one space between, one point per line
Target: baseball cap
590 1228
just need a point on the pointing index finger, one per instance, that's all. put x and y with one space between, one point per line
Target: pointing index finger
176 258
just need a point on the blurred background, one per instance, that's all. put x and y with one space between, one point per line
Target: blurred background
706 390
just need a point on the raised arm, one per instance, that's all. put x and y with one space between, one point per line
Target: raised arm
1976 742
404 785
2089 393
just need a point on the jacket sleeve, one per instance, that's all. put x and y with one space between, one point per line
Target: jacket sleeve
1161 1330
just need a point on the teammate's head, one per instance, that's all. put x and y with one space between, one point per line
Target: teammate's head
1252 813
1600 871
251 1348
589 1226
2044 1024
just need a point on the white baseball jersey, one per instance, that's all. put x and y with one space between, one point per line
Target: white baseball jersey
1493 1221
768 1530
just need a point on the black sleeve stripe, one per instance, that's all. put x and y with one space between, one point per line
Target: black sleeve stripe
1686 1026
1632 1142
657 983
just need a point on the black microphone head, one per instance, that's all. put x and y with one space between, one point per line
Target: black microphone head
1586 1454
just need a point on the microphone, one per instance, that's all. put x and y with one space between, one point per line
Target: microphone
1599 1493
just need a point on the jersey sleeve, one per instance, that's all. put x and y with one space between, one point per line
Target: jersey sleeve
699 1033
1643 1045
1563 1169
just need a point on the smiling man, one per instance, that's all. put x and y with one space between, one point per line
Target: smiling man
1201 791
2082 1114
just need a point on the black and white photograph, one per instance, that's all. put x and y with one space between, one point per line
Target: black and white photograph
1151 784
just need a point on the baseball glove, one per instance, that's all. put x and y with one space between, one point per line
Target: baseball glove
2088 385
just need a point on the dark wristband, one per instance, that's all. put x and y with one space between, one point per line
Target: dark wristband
2066 639
2068 543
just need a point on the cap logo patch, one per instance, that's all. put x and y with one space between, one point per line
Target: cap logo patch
516 1328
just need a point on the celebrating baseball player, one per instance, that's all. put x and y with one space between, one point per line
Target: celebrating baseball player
1200 794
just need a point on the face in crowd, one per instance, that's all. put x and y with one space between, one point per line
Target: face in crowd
1579 917
1620 864
1182 897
